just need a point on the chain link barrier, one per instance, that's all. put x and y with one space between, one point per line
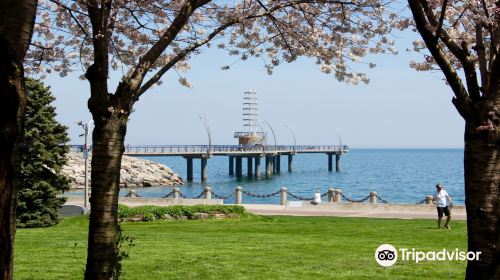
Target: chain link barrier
300 197
200 195
290 194
355 200
222 196
168 194
421 201
382 200
261 195
181 195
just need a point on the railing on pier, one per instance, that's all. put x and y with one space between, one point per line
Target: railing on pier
193 149
172 149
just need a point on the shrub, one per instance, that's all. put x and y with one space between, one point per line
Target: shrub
151 213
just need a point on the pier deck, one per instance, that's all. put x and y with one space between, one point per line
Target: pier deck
235 153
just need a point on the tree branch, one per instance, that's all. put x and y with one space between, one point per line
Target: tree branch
132 83
460 52
130 89
181 55
462 98
97 73
71 11
481 54
141 25
274 20
441 18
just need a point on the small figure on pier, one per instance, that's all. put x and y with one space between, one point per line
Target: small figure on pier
317 198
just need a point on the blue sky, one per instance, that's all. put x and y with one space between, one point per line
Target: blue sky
399 108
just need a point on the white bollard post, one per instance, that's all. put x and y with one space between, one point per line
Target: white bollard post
283 195
208 193
338 195
373 197
331 195
176 193
238 195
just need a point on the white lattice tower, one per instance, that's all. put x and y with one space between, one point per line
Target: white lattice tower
250 111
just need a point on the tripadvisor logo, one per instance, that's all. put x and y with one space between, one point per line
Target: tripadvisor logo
387 255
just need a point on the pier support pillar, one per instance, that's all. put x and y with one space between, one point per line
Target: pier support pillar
257 166
337 162
277 163
269 165
330 162
273 164
238 167
249 166
231 165
204 169
189 161
290 163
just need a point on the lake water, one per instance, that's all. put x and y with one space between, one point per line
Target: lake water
398 175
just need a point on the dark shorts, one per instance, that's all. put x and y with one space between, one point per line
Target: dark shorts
445 210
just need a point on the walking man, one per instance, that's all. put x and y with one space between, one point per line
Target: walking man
442 200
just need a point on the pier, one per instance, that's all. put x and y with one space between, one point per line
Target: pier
236 155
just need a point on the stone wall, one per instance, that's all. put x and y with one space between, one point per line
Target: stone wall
135 173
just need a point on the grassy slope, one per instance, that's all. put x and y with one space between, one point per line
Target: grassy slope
250 248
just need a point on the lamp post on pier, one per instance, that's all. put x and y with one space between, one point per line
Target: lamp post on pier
207 128
340 141
86 149
271 161
294 139
272 131
337 156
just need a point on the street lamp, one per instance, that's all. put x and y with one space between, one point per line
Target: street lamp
264 134
274 135
207 128
340 140
86 149
294 139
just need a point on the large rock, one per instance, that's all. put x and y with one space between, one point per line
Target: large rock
135 172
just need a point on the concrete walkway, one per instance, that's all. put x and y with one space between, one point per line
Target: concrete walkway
400 211
300 208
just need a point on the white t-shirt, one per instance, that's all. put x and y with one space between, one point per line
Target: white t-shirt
317 198
441 198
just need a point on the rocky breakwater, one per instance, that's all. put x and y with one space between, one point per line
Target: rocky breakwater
134 173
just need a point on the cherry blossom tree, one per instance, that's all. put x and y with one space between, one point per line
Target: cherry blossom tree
147 38
15 35
465 36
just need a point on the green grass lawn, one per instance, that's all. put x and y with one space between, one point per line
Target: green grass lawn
248 248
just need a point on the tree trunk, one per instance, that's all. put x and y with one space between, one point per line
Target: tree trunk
17 18
107 149
12 106
482 183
